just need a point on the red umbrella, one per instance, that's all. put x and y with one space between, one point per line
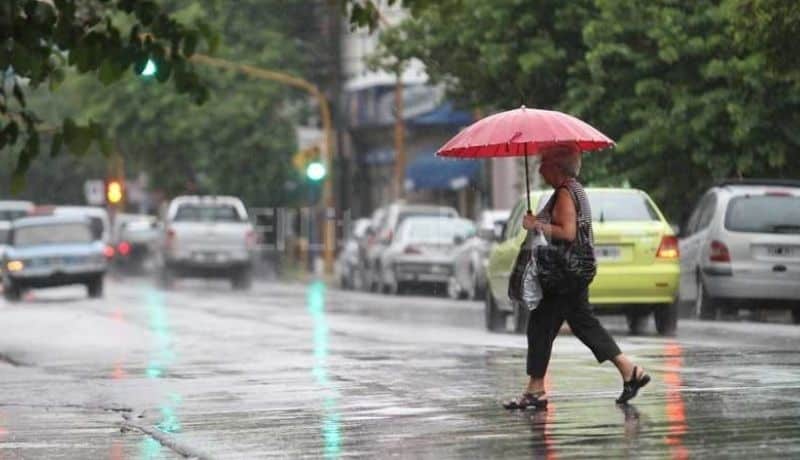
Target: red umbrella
523 132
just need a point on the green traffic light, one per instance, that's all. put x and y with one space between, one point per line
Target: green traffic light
150 69
315 171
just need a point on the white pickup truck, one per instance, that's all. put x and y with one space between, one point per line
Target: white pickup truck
209 237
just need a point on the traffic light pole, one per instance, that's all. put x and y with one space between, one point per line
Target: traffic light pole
329 228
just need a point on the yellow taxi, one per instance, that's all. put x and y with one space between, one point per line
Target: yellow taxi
638 263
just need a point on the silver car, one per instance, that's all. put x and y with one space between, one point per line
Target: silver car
741 248
421 251
391 218
347 262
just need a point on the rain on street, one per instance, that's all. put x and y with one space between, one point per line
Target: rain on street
304 370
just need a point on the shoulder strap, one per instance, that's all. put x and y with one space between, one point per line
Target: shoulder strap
580 238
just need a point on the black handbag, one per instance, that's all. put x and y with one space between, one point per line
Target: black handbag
567 267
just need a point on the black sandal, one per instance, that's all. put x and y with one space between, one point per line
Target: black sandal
632 387
527 400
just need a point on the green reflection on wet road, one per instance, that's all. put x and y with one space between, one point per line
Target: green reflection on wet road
331 426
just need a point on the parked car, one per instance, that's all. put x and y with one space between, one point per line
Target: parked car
5 228
638 266
384 231
347 262
469 266
421 251
14 209
210 237
52 251
135 237
365 246
741 248
491 222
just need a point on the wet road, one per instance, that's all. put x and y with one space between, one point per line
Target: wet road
292 370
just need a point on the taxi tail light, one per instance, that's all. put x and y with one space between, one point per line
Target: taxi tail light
719 252
411 250
109 252
668 249
124 248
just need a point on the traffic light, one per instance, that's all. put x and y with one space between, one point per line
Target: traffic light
315 171
150 69
115 191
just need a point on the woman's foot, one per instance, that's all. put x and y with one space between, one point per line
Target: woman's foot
631 387
535 400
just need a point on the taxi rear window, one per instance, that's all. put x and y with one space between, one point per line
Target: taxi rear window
617 207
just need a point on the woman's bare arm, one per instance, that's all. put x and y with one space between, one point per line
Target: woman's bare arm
563 219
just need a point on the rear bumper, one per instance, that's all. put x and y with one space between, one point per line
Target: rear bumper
428 272
55 279
752 289
651 284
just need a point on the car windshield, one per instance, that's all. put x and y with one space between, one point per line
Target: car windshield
438 230
621 207
764 214
67 233
11 214
423 213
207 213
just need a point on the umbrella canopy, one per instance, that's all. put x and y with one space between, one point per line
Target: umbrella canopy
523 131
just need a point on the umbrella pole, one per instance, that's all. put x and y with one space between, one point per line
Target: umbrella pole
527 182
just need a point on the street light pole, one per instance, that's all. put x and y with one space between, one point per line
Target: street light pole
329 227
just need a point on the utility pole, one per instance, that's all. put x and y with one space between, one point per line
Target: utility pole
399 137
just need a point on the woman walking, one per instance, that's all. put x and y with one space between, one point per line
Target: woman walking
565 215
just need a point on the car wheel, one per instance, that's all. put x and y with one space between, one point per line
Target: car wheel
453 289
704 304
12 293
242 279
478 291
495 319
637 322
95 288
666 317
166 277
521 315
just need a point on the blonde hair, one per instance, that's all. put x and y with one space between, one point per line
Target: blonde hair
566 157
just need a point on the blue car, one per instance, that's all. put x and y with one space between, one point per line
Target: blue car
51 251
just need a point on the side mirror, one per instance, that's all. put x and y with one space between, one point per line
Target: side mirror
458 240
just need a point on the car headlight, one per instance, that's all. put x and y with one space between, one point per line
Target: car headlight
15 265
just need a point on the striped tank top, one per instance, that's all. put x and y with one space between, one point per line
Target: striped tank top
585 233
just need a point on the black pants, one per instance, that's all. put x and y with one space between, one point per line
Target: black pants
545 322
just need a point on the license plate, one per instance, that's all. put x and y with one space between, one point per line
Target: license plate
205 256
607 253
781 251
437 269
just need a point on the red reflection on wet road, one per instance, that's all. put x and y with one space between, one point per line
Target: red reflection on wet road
3 432
676 415
117 452
118 373
549 442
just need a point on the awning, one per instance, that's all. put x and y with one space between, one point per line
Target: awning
428 172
